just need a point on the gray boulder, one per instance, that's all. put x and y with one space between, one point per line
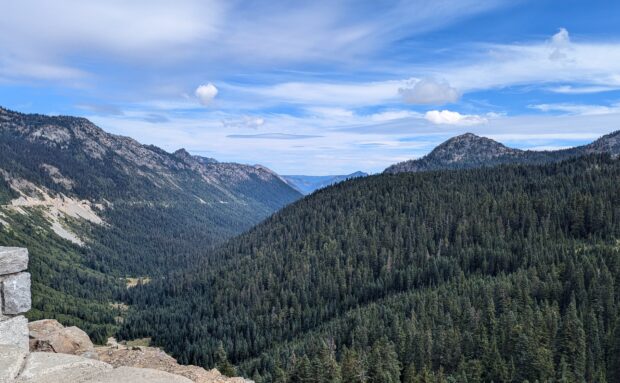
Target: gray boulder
48 367
13 260
48 335
138 375
16 291
11 361
14 332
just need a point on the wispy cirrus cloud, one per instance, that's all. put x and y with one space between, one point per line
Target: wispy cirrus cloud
568 89
578 109
557 60
210 35
274 136
557 64
251 122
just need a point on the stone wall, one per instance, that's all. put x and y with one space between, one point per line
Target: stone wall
15 297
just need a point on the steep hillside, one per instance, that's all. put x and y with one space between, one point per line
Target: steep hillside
501 274
471 151
93 207
308 184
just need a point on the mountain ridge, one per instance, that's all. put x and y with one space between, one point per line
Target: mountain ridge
95 208
469 151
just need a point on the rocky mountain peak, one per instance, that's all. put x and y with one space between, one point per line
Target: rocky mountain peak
191 159
182 153
466 150
469 145
470 151
609 143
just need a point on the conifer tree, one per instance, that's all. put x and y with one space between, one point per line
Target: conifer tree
223 364
383 364
353 369
302 371
571 343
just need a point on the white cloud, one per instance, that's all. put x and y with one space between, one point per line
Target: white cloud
206 93
10 69
326 95
578 109
559 60
125 28
245 122
447 117
429 91
329 112
561 38
560 43
587 67
215 34
568 89
390 115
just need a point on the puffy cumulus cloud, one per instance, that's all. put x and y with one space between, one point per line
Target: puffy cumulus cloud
561 38
429 91
560 43
206 93
447 117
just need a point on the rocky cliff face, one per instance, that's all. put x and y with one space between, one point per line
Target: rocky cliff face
470 151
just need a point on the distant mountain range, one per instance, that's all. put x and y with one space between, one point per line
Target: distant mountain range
93 206
308 184
471 151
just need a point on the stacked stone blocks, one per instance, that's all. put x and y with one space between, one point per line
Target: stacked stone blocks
15 297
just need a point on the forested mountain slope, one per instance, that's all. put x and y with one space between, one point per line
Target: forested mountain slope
93 207
470 151
502 274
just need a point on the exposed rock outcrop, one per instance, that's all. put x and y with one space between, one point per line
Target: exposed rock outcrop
19 366
151 357
48 335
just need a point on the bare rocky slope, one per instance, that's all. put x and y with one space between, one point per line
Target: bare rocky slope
471 151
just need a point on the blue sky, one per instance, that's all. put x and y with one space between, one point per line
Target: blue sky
322 87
